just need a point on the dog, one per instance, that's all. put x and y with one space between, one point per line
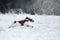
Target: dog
22 22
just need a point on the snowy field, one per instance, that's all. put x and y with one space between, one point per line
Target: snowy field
45 28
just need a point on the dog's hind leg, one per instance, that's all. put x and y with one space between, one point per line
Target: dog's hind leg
29 26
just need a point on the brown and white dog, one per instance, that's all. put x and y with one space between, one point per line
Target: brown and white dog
22 22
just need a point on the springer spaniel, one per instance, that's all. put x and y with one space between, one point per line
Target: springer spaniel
22 22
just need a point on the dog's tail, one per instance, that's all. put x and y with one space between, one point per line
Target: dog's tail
12 24
15 21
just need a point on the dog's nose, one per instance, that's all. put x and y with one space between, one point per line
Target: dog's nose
32 20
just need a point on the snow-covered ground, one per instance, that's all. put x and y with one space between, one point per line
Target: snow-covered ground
45 28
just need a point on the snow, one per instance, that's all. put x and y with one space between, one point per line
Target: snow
45 28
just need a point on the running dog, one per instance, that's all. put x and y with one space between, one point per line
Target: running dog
22 22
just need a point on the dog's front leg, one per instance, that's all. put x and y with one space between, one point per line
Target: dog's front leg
12 26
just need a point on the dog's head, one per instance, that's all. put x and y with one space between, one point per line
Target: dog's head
31 20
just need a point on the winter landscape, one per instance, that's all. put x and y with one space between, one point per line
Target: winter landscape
29 19
45 27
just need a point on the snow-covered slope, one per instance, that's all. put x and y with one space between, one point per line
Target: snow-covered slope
45 28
